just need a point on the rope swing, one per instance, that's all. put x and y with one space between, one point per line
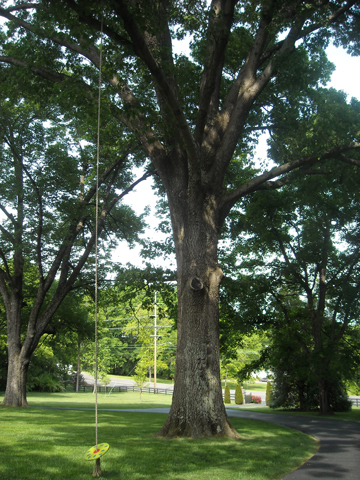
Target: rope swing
96 452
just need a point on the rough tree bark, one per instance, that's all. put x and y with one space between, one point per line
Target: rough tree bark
197 409
325 408
18 363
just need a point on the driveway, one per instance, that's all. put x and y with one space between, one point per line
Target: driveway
339 454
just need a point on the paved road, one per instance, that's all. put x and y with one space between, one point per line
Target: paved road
339 454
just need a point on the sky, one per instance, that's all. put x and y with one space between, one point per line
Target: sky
345 77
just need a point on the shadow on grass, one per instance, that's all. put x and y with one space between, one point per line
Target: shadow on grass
46 444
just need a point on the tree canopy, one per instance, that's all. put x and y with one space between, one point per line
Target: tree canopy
301 277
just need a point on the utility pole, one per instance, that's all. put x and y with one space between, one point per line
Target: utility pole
156 326
155 340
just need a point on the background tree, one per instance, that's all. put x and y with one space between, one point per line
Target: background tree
196 119
126 311
305 258
140 378
248 350
53 364
47 228
135 290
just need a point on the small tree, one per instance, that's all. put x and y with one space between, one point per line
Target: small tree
227 398
268 394
239 398
105 380
140 379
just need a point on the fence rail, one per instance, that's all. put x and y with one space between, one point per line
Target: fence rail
120 388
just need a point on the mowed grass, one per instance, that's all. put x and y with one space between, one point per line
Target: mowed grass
87 400
248 386
45 444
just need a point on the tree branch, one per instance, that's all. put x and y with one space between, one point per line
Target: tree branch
23 6
350 161
40 223
257 183
217 40
143 52
10 216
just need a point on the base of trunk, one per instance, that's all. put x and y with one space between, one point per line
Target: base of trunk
14 402
325 408
199 426
327 411
15 393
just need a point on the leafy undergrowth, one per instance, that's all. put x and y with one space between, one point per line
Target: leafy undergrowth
51 444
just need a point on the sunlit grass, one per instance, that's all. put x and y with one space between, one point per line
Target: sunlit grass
50 444
87 400
248 386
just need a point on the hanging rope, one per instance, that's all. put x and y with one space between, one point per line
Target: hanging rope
99 450
97 231
97 469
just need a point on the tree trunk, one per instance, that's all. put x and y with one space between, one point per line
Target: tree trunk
301 397
18 359
197 408
15 394
325 408
78 373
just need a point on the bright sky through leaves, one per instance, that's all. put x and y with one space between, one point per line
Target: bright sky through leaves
345 77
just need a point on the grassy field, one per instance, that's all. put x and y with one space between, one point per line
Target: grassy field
86 400
248 386
50 444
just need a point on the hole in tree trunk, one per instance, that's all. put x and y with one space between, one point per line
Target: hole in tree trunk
196 284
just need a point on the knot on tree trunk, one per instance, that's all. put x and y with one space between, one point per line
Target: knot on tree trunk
196 284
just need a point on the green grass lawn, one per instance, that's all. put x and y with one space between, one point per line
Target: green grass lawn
87 400
248 386
51 444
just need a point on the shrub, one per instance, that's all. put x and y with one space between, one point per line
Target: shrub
289 392
268 393
255 399
227 398
239 399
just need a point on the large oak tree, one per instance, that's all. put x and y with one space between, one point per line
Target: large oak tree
196 119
